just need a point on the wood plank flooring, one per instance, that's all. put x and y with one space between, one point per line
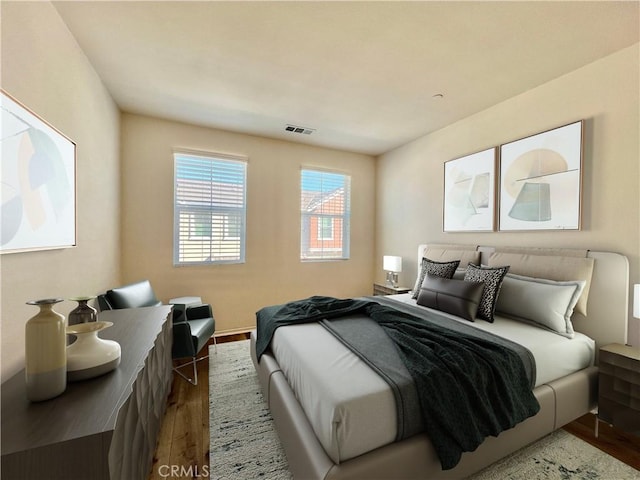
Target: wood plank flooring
183 446
621 445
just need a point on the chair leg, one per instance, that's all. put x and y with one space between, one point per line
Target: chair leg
192 362
215 345
193 381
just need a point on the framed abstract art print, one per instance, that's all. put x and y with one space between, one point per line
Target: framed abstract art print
38 183
541 181
469 193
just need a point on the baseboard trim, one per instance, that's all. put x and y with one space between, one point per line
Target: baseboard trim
233 331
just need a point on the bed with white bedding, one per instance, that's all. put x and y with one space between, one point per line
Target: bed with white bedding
336 416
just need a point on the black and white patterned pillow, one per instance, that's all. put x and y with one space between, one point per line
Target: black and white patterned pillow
439 269
492 278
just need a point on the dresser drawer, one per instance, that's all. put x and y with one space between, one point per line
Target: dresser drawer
619 387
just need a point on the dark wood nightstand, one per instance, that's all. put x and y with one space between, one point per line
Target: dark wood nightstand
379 289
619 387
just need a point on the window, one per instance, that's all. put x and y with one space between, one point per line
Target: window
325 215
209 209
325 228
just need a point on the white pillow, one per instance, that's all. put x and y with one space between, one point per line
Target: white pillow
540 301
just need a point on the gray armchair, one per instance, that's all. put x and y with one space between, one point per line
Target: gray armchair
193 322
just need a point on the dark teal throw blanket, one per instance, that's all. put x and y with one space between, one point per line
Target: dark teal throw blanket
468 387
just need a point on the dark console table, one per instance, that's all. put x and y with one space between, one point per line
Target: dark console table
102 428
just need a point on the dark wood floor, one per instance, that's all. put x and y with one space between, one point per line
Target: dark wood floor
618 444
183 446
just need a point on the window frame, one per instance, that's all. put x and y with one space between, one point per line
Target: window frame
322 228
340 220
220 247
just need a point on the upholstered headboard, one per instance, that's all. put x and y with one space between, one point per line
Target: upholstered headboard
608 295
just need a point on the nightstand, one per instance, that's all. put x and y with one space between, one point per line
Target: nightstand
619 387
379 289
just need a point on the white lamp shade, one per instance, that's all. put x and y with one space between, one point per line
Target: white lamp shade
636 300
391 263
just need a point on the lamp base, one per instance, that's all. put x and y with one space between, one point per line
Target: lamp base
392 280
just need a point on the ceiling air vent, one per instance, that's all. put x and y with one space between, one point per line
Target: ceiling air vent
299 129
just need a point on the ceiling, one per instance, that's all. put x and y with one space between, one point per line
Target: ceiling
364 76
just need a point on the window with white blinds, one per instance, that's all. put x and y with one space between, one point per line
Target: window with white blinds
325 201
209 209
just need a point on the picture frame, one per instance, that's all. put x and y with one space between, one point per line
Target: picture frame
469 192
38 172
541 180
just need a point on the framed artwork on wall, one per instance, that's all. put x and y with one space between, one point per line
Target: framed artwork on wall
541 181
469 193
38 186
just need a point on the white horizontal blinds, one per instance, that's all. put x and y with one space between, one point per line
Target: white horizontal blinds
325 201
210 207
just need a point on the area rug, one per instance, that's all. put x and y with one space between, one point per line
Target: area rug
245 445
560 456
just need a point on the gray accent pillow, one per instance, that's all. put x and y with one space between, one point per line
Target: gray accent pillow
553 267
457 297
459 275
545 303
492 279
439 269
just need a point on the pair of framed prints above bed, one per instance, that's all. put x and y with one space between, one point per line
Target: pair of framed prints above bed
534 183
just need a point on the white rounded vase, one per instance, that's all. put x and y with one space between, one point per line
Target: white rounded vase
90 356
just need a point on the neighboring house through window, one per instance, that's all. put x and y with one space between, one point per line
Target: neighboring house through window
325 228
325 201
209 209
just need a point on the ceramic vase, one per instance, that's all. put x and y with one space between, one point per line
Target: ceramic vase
83 313
90 356
45 352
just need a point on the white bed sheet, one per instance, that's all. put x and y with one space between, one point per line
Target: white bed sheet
352 410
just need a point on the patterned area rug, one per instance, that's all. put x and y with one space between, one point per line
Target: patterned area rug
559 456
245 445
243 442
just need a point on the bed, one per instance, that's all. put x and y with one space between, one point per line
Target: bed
337 418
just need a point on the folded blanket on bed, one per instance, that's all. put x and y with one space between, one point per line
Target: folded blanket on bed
468 386
311 309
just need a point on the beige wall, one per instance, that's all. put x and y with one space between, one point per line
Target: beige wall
396 205
605 94
272 272
43 67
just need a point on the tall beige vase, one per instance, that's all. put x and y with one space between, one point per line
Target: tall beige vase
45 352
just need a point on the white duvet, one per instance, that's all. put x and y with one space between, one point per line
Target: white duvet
352 409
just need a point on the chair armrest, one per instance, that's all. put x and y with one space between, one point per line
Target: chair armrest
182 341
200 311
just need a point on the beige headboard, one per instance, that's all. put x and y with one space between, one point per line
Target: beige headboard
608 304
